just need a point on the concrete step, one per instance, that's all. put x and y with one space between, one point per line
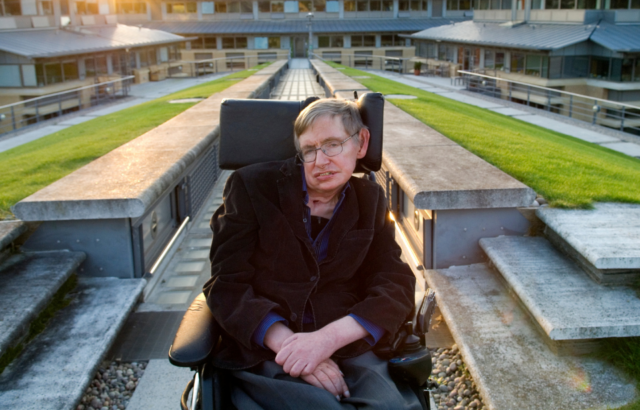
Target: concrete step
559 295
27 283
605 240
10 231
55 368
510 363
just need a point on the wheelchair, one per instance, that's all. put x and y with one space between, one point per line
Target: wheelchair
268 136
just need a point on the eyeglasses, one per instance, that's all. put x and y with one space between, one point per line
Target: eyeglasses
330 149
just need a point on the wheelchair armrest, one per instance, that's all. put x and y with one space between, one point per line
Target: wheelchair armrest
197 336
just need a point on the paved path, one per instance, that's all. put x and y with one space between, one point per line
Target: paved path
139 93
626 143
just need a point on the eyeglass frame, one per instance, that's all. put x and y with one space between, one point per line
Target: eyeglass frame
315 150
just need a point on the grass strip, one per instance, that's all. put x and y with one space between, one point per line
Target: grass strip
30 167
58 301
624 353
567 171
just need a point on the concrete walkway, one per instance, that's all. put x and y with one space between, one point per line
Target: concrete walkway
625 143
139 93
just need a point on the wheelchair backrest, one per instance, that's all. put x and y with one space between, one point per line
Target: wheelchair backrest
253 131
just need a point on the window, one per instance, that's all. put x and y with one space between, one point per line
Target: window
210 43
330 41
575 67
264 7
45 8
179 8
403 5
233 7
363 5
488 59
277 6
83 7
390 40
363 41
90 66
349 5
70 70
375 5
567 4
53 73
263 43
274 42
246 7
11 8
291 7
517 63
305 6
207 7
220 7
334 6
599 67
10 76
533 65
619 4
499 64
319 5
132 7
234 42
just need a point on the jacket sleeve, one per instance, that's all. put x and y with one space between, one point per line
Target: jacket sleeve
389 284
229 292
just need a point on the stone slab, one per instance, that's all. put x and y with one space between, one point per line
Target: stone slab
160 387
607 236
563 299
568 129
56 367
512 112
27 283
10 231
503 351
129 181
627 148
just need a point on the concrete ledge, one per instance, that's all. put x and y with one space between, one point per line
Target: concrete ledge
562 298
608 237
435 172
126 181
10 231
505 354
55 368
28 282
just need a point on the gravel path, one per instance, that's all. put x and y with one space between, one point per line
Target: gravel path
112 386
451 382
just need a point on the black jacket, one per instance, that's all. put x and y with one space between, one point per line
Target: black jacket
262 260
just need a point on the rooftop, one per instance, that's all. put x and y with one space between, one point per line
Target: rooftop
80 40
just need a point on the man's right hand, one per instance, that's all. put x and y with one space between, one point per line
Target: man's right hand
328 376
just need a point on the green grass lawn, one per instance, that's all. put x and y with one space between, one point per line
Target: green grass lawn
30 167
567 171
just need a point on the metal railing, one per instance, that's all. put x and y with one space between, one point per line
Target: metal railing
612 114
32 111
219 65
398 65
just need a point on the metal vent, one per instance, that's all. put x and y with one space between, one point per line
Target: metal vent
202 180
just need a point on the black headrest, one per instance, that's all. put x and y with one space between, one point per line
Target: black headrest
253 131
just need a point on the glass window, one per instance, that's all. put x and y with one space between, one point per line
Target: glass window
207 7
192 7
587 4
567 4
369 41
277 6
375 5
323 41
635 4
291 7
551 4
349 5
616 69
246 7
90 65
403 5
452 4
337 41
241 42
575 67
363 5
496 4
210 42
70 69
386 40
233 7
319 5
261 43
53 72
536 4
619 4
462 4
12 8
197 43
555 67
415 5
10 76
488 59
228 42
334 6
356 41
533 65
499 64
220 7
264 7
274 42
545 67
387 5
599 67
517 63
636 72
304 6
484 4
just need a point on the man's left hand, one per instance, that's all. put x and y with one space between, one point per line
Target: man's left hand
301 353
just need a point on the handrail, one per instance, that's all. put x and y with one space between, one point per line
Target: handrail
66 92
609 102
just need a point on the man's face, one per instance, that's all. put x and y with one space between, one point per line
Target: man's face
327 175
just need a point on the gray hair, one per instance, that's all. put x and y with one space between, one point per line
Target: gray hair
347 110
